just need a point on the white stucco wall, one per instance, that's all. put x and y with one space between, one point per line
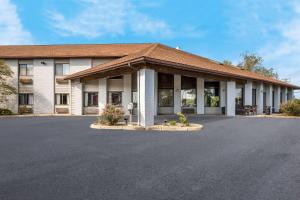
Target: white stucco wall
248 93
277 91
177 93
116 85
269 95
43 86
230 98
222 94
284 94
79 64
12 100
91 86
76 97
200 96
146 97
126 97
102 94
260 97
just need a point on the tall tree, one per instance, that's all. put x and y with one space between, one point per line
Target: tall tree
253 62
5 88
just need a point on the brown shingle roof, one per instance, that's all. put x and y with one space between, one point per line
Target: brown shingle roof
167 55
68 51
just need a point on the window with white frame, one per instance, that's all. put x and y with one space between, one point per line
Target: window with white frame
26 99
26 69
115 98
91 99
61 99
62 69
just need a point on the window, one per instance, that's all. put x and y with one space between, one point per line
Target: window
253 97
188 91
165 98
26 69
115 98
61 99
91 99
62 69
211 94
239 100
134 89
25 99
165 90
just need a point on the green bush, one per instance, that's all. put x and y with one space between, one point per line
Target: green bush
183 119
172 122
291 108
111 115
4 111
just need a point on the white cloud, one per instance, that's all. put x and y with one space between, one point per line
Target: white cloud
11 28
284 53
101 17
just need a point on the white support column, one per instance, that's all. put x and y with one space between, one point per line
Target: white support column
248 93
277 92
146 97
284 95
200 96
230 98
260 98
126 99
102 94
155 93
223 94
177 93
290 95
269 94
76 97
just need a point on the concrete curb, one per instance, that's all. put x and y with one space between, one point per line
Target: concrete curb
192 127
46 115
276 116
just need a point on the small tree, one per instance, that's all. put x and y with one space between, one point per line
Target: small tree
5 88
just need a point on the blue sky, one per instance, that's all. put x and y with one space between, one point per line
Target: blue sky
218 29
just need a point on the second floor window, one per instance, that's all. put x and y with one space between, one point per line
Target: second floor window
62 69
61 99
26 69
91 99
25 99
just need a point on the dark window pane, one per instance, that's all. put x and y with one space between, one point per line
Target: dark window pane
134 82
239 100
254 97
188 82
165 81
115 98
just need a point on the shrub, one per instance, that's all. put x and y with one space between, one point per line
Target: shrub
4 111
111 115
182 119
291 108
172 123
